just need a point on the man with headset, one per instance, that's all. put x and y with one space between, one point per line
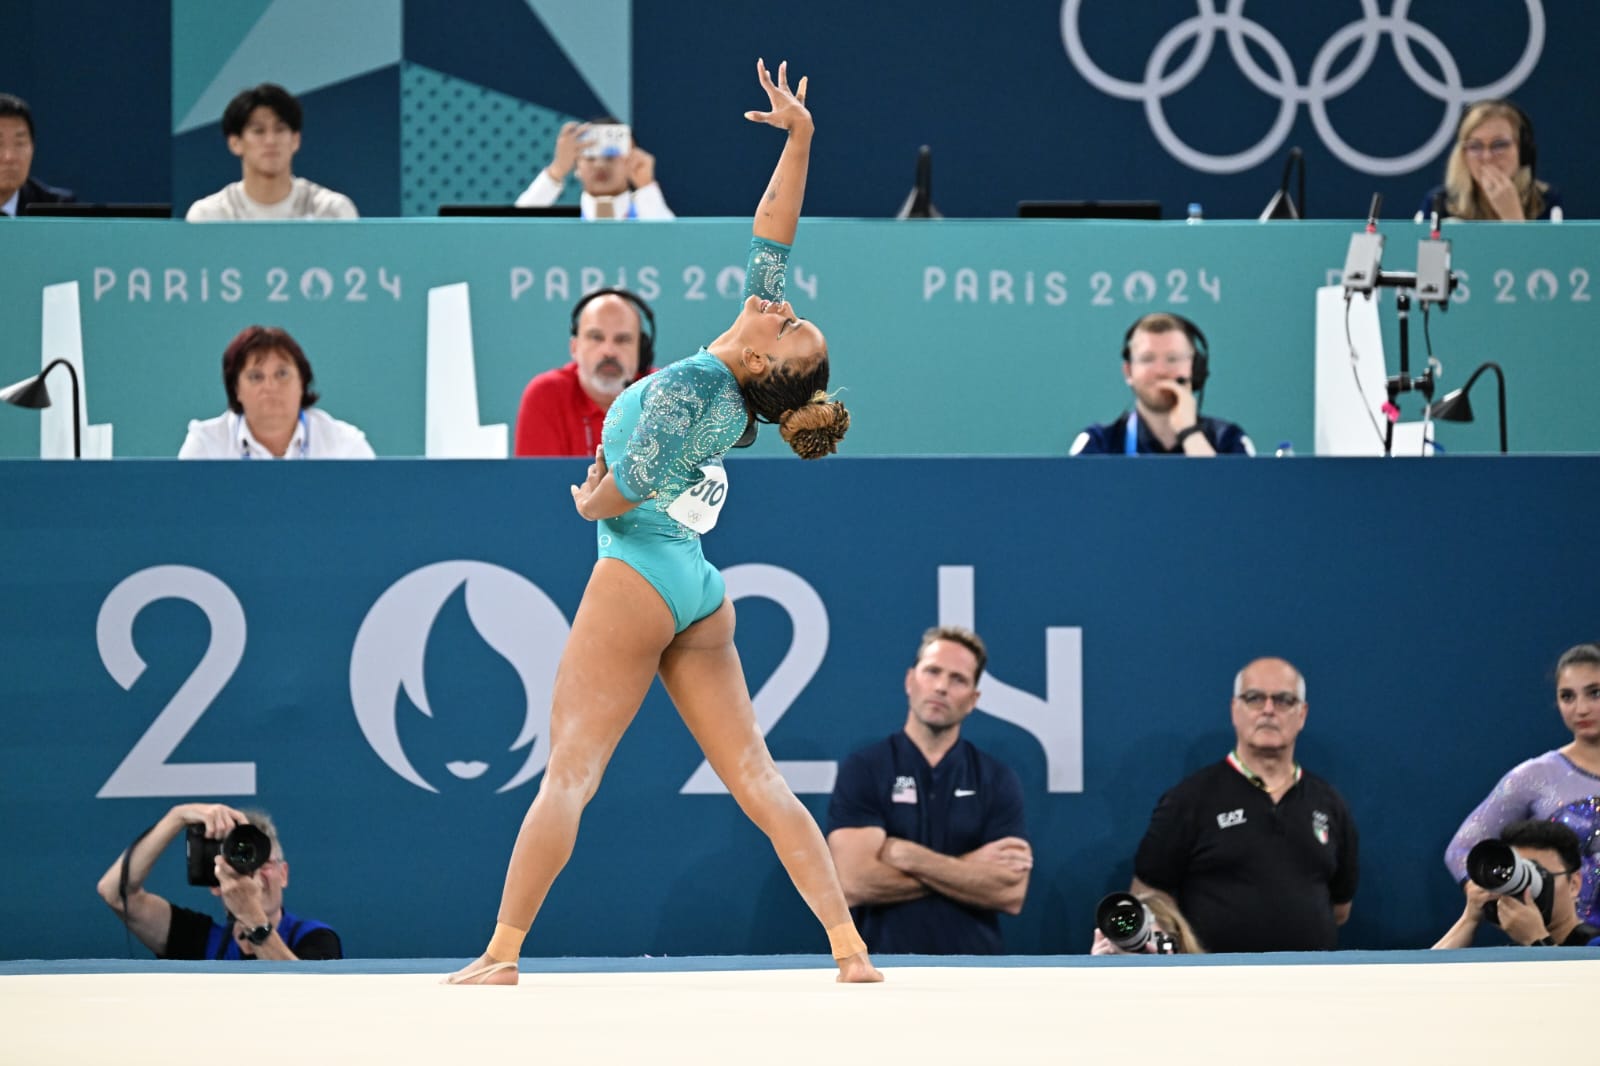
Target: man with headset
612 346
1164 362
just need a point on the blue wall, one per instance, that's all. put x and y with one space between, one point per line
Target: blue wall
1425 602
993 91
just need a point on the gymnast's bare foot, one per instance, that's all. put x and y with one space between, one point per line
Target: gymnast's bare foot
486 971
858 969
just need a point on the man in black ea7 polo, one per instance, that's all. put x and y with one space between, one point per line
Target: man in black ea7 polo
1257 852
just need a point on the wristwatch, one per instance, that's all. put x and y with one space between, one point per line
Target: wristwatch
1186 433
259 934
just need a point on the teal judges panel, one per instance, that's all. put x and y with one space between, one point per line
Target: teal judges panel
273 634
959 337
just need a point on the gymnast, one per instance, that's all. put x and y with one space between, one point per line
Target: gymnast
654 605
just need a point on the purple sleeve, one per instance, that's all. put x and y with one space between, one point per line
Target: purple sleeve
1511 800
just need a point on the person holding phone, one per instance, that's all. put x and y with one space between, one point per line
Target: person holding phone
618 177
1165 364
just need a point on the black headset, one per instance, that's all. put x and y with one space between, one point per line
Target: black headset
1201 367
647 323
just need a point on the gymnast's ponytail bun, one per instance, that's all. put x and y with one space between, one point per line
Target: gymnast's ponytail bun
815 429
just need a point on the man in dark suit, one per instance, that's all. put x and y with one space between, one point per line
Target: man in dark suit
17 189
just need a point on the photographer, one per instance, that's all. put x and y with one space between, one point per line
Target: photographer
1555 849
1169 932
256 925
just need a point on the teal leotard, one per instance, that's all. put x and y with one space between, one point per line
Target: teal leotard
658 436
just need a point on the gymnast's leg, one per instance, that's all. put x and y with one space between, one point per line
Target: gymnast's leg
610 659
701 671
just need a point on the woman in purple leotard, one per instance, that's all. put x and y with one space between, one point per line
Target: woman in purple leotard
1562 785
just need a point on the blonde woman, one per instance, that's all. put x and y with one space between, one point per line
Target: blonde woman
1490 174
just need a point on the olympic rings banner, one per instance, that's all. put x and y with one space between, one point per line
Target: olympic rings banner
366 650
1325 81
424 102
961 337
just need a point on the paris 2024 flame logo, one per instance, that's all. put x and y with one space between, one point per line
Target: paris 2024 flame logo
515 619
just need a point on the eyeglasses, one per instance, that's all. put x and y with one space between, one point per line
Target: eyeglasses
1255 699
1172 359
1498 147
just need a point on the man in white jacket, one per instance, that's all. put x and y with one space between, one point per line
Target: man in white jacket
618 177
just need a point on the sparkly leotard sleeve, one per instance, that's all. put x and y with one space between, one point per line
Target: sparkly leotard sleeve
1551 787
664 438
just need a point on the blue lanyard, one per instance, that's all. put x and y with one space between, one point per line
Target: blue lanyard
305 439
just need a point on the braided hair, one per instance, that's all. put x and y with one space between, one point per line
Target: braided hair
797 403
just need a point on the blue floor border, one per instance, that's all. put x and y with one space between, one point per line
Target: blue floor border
744 963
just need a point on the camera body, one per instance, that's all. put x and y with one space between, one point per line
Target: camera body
1493 865
609 140
1127 922
245 848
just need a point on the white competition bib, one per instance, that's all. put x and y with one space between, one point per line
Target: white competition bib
700 506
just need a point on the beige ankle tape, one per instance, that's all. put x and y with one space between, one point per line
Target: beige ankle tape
845 941
506 944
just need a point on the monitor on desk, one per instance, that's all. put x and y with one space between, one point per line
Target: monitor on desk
1101 209
98 210
507 211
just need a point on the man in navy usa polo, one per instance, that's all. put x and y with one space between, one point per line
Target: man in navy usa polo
926 830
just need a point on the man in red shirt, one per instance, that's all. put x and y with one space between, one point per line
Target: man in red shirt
612 346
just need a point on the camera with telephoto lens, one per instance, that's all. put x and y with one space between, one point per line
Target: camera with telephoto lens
1127 922
245 848
1491 864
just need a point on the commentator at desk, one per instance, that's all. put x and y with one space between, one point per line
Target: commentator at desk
270 411
1490 173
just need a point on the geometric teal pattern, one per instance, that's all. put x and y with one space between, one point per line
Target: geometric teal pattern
204 37
303 45
596 37
461 143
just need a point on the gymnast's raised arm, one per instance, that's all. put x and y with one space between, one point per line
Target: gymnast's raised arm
779 211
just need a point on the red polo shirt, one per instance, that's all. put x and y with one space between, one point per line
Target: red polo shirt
557 417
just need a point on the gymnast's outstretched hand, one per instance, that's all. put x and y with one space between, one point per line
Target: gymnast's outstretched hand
788 107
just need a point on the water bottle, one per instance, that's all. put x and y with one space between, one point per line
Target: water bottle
1285 449
1195 215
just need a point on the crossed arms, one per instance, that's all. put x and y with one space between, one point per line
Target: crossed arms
875 868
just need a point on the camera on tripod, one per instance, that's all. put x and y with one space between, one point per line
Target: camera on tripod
1493 865
245 848
1126 921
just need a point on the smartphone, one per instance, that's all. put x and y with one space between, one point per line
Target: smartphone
610 140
